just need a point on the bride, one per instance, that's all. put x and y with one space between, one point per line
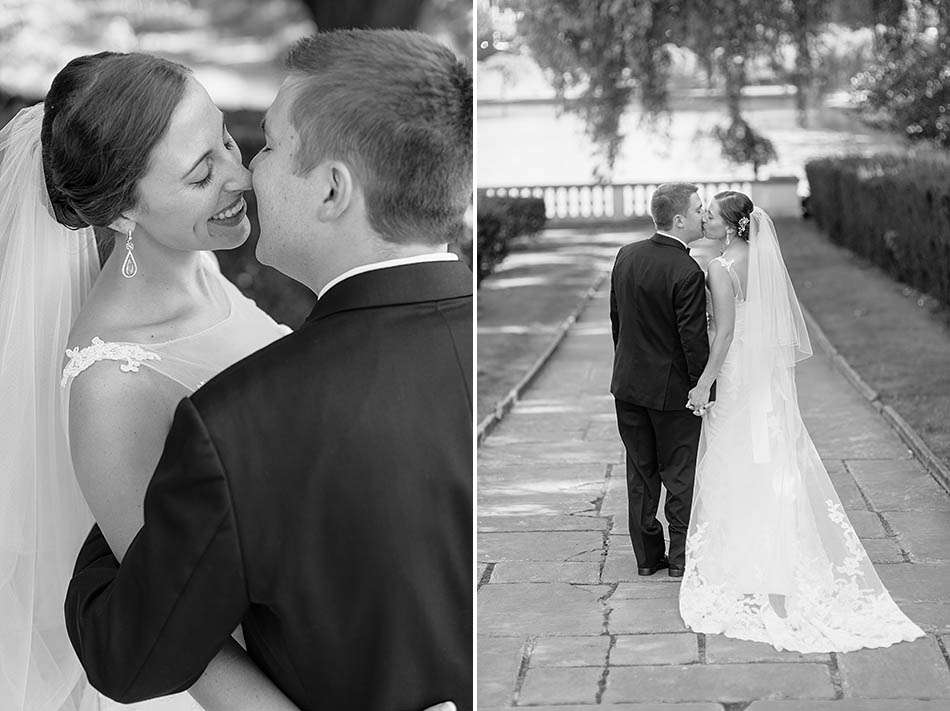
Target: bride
133 143
770 554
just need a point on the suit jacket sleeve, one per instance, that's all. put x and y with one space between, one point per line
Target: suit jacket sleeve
149 627
689 304
614 314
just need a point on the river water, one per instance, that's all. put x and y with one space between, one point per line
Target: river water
523 143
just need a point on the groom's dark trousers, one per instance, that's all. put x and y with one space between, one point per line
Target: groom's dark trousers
658 321
318 493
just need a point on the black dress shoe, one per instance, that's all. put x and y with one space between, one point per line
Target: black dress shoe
676 572
650 570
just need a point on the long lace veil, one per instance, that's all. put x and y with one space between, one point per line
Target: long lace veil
45 272
776 338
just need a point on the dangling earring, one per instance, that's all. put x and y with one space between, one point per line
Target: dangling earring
129 267
728 238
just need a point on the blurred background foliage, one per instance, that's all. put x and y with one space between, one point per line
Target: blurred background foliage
892 58
235 48
501 221
893 209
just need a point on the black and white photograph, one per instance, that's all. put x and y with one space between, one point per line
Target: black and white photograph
236 355
713 355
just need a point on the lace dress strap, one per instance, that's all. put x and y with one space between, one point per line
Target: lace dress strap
736 284
81 358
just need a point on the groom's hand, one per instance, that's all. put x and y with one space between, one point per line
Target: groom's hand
698 400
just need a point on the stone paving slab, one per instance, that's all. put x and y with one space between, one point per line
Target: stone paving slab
848 705
571 651
541 545
651 649
541 609
925 535
495 475
725 650
597 431
847 488
628 707
545 453
916 581
546 572
645 615
914 670
531 503
497 524
499 659
883 550
727 683
917 491
571 685
654 586
867 438
929 616
867 524
593 406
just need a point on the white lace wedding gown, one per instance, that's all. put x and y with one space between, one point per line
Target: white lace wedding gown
190 361
770 554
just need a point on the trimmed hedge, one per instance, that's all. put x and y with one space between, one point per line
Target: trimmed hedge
500 221
892 209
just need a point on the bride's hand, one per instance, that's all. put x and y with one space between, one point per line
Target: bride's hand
444 706
698 400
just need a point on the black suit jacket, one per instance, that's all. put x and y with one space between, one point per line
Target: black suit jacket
658 321
319 493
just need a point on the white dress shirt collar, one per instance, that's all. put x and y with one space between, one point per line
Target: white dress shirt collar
418 259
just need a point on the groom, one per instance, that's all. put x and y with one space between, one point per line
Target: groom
658 321
318 493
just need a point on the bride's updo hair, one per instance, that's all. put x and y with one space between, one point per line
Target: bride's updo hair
736 209
103 115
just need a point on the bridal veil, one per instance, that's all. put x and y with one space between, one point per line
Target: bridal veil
45 272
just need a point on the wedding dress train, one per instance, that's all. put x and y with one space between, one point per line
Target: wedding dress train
770 553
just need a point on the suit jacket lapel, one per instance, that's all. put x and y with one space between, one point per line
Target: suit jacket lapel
668 241
407 284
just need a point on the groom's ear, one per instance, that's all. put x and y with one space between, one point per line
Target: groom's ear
336 191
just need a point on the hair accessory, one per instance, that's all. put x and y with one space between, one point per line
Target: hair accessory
129 267
743 226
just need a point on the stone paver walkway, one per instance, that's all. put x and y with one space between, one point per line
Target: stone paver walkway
564 621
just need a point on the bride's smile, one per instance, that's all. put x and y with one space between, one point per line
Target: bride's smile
191 198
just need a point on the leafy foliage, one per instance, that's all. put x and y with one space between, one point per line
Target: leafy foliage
485 31
742 144
364 13
601 52
605 53
891 209
908 88
500 221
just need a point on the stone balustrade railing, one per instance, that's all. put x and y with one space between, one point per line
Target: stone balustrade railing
585 204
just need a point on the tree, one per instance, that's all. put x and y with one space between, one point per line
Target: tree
908 88
607 52
403 14
602 52
804 17
485 29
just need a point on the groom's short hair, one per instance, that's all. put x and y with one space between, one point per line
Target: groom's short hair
669 200
396 107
